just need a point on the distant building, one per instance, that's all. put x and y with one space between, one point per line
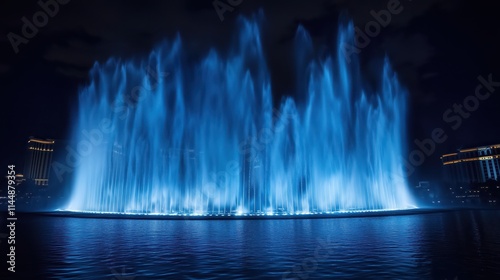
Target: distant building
473 175
38 160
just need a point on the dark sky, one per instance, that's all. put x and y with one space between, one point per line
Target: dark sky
438 48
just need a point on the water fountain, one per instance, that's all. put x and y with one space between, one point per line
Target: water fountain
174 136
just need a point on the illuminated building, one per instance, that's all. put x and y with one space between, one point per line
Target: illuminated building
473 174
474 165
38 160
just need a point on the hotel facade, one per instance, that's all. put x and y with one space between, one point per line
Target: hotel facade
473 174
38 160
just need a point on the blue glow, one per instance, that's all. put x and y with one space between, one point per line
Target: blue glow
205 138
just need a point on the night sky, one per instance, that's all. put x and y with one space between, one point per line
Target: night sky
438 48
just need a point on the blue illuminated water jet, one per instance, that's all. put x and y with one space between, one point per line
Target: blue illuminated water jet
168 135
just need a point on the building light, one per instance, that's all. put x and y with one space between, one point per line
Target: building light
486 158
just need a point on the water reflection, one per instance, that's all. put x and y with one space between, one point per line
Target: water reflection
429 246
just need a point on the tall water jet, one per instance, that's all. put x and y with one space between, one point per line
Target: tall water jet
170 135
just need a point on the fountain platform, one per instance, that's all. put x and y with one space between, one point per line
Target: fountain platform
154 216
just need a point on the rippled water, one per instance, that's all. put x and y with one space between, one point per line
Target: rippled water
448 245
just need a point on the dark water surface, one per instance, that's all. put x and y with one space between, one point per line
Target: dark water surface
449 245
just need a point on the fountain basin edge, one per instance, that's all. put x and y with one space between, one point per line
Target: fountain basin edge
351 214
